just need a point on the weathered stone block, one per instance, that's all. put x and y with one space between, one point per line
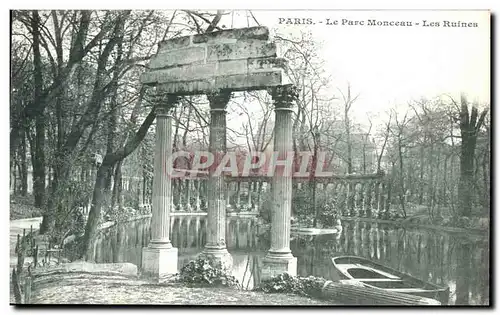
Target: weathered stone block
228 67
174 43
238 82
255 64
178 57
186 73
241 50
159 262
272 267
258 32
186 87
249 81
236 59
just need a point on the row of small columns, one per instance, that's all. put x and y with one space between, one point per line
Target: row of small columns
160 257
240 196
360 198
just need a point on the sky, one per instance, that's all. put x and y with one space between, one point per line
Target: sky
392 65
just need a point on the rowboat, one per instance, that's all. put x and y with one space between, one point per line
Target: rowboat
373 275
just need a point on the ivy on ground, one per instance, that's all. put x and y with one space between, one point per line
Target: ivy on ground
284 283
206 272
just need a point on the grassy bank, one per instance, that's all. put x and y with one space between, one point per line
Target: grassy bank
81 288
23 208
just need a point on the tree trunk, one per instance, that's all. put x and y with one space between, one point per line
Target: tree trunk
49 216
469 128
313 178
95 210
39 165
421 178
444 197
401 177
23 165
431 187
117 187
349 148
100 184
466 181
486 179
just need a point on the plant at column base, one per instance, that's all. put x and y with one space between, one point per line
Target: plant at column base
207 272
284 283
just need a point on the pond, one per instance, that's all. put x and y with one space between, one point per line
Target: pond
458 261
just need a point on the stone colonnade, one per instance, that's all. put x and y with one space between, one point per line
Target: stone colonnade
160 258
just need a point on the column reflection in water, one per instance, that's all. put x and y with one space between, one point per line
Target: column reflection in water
460 263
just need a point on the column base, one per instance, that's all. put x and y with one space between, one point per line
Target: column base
274 264
159 262
219 255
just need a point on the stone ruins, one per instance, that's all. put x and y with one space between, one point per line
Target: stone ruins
217 64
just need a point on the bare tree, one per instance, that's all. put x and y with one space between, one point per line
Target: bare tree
470 124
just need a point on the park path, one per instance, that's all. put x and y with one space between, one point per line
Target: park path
16 227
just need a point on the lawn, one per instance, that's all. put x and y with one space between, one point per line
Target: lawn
81 288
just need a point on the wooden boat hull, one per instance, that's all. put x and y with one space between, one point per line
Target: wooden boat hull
375 275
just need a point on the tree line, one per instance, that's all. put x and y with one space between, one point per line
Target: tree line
75 95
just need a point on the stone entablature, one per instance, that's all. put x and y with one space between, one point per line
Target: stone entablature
237 59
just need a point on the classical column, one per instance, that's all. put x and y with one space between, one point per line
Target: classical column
279 258
229 207
160 258
189 184
216 210
368 199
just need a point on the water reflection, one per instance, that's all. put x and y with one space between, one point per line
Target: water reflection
459 262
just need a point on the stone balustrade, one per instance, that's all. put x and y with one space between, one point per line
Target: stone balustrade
363 195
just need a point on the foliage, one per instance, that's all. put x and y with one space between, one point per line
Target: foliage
207 272
21 207
329 211
460 222
119 214
284 283
328 206
74 196
265 207
72 249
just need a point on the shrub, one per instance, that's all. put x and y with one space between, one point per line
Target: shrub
460 222
327 203
329 215
206 272
312 286
265 208
285 283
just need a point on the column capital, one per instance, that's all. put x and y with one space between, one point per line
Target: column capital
165 102
284 95
218 100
